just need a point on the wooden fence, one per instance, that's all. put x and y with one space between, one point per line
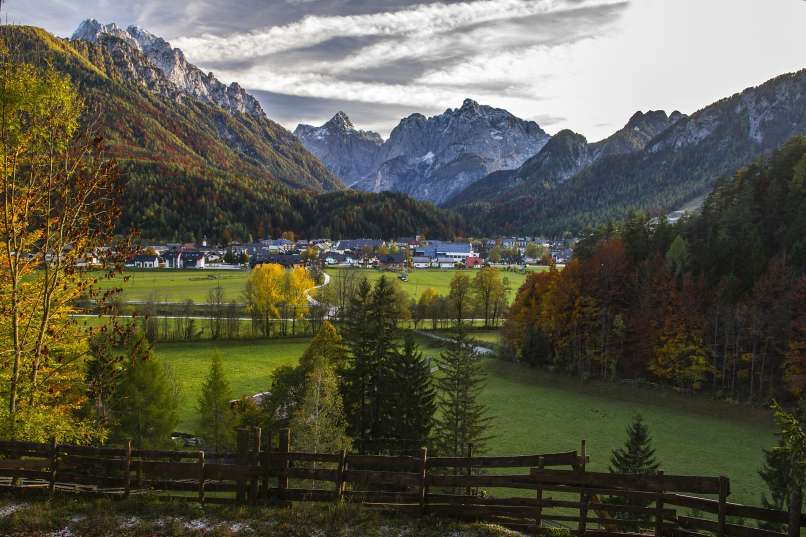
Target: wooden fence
525 493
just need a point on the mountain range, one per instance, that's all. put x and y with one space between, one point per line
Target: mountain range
572 184
201 158
428 158
549 184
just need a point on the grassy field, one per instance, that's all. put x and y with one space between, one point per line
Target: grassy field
248 365
538 412
440 280
177 285
180 285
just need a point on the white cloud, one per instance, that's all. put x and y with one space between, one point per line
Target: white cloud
421 20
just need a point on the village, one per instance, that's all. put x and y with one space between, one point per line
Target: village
398 255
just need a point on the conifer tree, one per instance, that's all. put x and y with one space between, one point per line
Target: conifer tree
384 314
778 472
288 383
637 457
414 397
145 403
370 334
357 377
462 417
319 424
217 420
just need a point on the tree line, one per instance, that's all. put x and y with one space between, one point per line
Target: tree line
480 294
714 302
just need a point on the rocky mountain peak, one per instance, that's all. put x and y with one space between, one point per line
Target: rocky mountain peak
90 30
340 122
652 119
188 78
469 105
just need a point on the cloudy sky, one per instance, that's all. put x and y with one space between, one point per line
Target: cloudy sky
586 65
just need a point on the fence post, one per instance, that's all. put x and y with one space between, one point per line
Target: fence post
52 462
583 496
724 490
468 490
254 465
340 476
423 477
200 457
583 513
243 460
795 508
583 457
539 518
659 509
285 445
127 470
264 486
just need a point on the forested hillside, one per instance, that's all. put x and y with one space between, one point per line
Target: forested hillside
713 303
681 163
170 203
191 168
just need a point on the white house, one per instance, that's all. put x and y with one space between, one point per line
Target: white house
147 261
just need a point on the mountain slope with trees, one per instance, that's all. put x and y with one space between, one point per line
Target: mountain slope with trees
712 303
192 168
681 163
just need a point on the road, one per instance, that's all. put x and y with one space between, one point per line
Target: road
483 351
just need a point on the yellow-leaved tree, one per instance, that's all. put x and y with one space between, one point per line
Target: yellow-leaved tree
264 294
57 212
298 285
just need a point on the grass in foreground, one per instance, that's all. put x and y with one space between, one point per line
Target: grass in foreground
145 516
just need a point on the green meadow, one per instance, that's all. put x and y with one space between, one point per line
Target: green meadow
180 285
536 411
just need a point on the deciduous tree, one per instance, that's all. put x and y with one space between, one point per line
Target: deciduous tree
57 208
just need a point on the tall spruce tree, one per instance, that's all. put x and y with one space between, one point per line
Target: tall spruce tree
414 401
637 457
144 405
217 420
358 375
370 334
384 314
462 417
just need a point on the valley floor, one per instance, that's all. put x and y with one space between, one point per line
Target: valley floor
537 411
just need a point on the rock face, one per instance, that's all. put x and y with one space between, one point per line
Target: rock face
188 78
346 151
638 132
189 118
567 154
427 158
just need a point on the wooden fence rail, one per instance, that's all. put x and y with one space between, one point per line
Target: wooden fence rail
527 493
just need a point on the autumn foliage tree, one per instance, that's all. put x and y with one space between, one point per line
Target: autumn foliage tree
57 193
714 301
